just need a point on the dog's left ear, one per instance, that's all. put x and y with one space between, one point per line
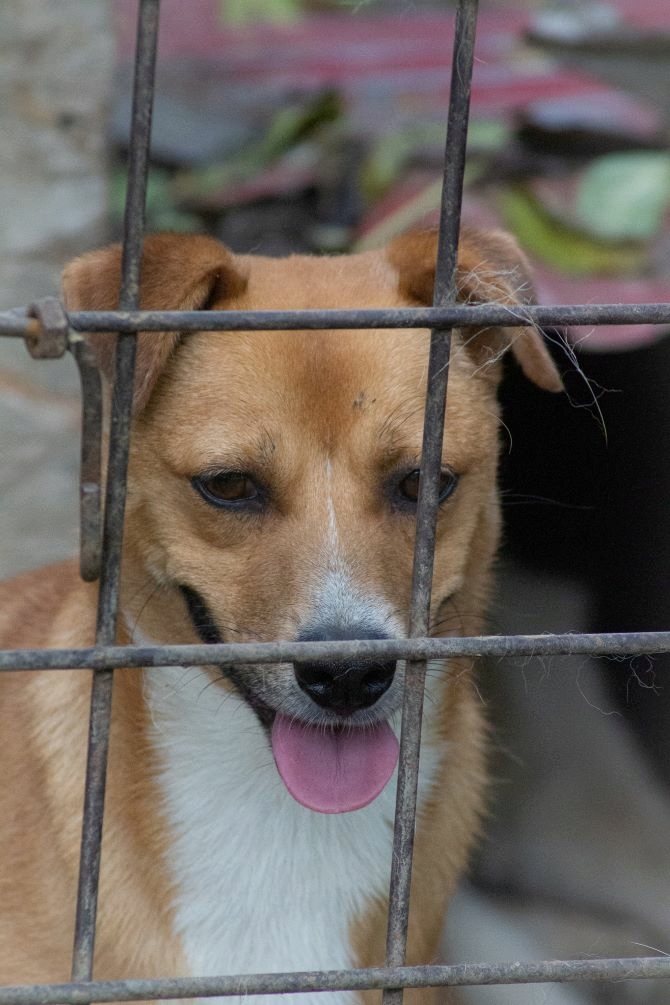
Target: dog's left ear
180 272
491 268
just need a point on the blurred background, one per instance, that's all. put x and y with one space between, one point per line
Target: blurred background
309 125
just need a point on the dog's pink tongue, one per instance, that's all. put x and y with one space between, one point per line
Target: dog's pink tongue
333 771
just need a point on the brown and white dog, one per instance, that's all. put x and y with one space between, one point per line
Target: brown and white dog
272 495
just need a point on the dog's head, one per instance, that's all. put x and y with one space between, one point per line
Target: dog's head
274 476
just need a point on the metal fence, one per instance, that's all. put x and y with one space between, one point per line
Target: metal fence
49 331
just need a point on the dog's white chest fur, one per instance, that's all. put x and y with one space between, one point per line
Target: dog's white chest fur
261 884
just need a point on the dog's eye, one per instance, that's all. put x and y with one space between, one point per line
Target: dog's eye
408 487
229 489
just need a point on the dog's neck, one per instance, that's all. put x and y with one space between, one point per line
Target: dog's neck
261 884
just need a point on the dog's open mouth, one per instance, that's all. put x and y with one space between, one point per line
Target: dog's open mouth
333 769
330 768
327 768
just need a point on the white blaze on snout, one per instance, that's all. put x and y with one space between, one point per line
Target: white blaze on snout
333 537
338 599
342 768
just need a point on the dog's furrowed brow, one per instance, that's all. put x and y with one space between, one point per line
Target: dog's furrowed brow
265 445
400 432
237 454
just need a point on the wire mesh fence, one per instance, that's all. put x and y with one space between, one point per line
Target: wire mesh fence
50 331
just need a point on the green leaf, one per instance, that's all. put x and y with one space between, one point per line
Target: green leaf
245 11
560 245
389 154
292 126
300 120
487 136
161 212
624 196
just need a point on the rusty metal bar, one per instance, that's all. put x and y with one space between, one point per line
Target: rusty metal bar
426 520
458 975
454 153
90 491
15 324
614 644
51 338
101 694
143 87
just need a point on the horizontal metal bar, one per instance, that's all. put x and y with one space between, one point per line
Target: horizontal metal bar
108 657
300 982
479 315
15 323
420 317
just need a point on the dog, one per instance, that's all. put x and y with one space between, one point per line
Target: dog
272 495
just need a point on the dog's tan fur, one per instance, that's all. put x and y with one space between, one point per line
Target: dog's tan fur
282 406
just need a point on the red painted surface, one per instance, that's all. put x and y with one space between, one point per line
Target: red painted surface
405 59
354 52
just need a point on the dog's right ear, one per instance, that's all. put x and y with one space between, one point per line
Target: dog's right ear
180 272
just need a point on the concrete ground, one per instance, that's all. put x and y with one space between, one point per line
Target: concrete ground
576 860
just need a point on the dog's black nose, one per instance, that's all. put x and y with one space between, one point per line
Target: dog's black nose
349 685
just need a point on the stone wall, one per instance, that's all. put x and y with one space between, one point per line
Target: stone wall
56 63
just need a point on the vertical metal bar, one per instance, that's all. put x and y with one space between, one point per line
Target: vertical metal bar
431 459
90 489
454 154
101 695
